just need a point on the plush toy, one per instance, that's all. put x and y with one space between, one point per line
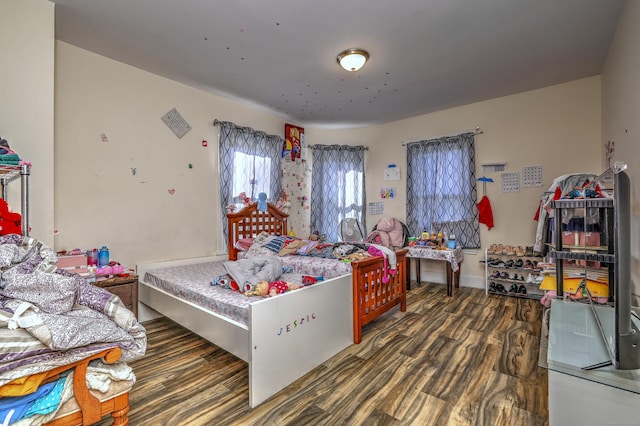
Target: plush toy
225 281
278 287
309 279
546 299
262 202
245 200
10 223
261 289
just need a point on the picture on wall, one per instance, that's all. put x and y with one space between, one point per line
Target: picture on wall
293 141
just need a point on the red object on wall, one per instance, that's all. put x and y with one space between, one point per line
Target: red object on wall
485 214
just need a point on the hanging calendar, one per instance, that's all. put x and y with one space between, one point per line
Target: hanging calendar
511 182
531 176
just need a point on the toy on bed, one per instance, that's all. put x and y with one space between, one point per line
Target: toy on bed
373 294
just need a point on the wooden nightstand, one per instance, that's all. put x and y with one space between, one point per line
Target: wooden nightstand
126 288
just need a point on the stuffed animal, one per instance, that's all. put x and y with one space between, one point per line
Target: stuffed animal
546 299
278 287
261 289
225 281
262 202
10 223
245 200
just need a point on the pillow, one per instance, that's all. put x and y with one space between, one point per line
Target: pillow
275 244
256 250
244 244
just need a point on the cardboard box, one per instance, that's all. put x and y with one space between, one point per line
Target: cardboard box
72 262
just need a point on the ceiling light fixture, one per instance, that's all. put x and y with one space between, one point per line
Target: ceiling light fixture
353 59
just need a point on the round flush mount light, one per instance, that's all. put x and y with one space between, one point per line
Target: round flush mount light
353 59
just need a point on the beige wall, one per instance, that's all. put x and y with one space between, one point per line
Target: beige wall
99 200
557 128
621 116
26 102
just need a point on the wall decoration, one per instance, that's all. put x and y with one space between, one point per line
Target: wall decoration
387 193
392 172
511 182
531 176
176 123
293 142
376 208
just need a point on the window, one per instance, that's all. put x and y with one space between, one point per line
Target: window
337 187
441 188
249 162
256 178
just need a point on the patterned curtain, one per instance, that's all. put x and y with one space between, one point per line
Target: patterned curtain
337 187
250 163
441 188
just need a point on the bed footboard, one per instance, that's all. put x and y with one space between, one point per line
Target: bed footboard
371 296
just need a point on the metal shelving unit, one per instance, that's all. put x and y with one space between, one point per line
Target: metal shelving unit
10 173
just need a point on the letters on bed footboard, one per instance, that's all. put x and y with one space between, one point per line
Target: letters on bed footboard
371 295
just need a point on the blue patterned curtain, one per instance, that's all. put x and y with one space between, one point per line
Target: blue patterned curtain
441 188
337 187
249 163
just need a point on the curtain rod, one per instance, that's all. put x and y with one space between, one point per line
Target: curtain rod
477 131
366 148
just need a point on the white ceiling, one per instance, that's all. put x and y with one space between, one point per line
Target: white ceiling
425 55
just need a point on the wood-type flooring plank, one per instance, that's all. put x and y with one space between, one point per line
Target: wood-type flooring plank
470 359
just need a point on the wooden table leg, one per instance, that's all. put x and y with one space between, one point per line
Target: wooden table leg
418 279
450 279
408 269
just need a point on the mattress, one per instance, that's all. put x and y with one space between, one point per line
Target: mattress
193 283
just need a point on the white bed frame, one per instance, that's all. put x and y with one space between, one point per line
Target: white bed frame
308 326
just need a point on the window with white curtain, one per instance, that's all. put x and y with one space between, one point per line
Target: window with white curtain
337 187
441 188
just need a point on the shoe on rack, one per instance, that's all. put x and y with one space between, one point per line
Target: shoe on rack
504 275
510 251
513 289
495 274
509 263
528 251
492 287
497 263
500 289
518 263
528 264
522 290
520 251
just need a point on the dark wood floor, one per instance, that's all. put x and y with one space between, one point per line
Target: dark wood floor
470 359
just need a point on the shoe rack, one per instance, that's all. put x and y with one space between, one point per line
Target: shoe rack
512 271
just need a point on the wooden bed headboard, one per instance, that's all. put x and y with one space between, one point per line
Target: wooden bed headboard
249 222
